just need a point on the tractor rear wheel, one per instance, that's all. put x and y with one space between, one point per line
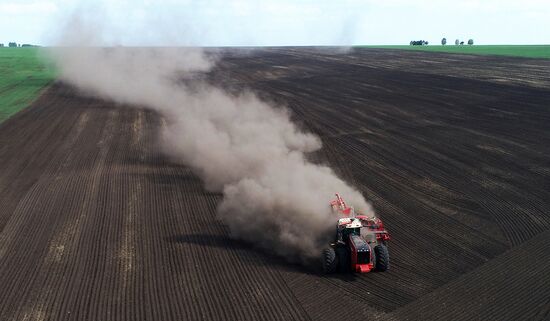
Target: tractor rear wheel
330 261
382 258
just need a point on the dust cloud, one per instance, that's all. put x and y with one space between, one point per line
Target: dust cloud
239 146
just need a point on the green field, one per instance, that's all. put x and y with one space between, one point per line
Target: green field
531 51
23 75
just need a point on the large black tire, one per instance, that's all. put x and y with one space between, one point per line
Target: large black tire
382 258
344 260
330 261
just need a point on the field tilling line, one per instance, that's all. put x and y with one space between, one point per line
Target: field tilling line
453 152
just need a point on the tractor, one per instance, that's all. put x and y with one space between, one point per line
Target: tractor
360 244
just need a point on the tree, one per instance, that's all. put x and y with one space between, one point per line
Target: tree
1 45
12 44
462 43
443 41
471 42
457 42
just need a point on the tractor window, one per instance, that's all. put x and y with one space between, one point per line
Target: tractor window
352 231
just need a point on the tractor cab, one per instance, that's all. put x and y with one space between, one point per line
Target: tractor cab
349 223
346 227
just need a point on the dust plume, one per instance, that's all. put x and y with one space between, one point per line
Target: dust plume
240 146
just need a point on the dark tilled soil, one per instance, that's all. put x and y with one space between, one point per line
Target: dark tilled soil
453 152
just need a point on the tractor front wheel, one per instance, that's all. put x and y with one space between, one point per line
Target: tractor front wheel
382 258
330 261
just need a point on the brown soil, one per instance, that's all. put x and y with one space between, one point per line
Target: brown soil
453 151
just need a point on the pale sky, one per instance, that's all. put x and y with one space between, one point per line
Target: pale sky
283 22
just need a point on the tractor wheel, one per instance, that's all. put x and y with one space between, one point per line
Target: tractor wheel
382 258
330 261
344 265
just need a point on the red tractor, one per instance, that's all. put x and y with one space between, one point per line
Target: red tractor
360 244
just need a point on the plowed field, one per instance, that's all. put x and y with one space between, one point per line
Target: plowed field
453 152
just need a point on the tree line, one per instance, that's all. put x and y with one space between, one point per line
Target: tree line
16 45
443 42
419 43
457 42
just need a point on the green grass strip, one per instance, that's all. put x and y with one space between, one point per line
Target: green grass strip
528 51
23 74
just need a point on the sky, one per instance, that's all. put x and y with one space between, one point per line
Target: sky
282 22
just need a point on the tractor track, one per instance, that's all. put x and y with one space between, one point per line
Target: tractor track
96 223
